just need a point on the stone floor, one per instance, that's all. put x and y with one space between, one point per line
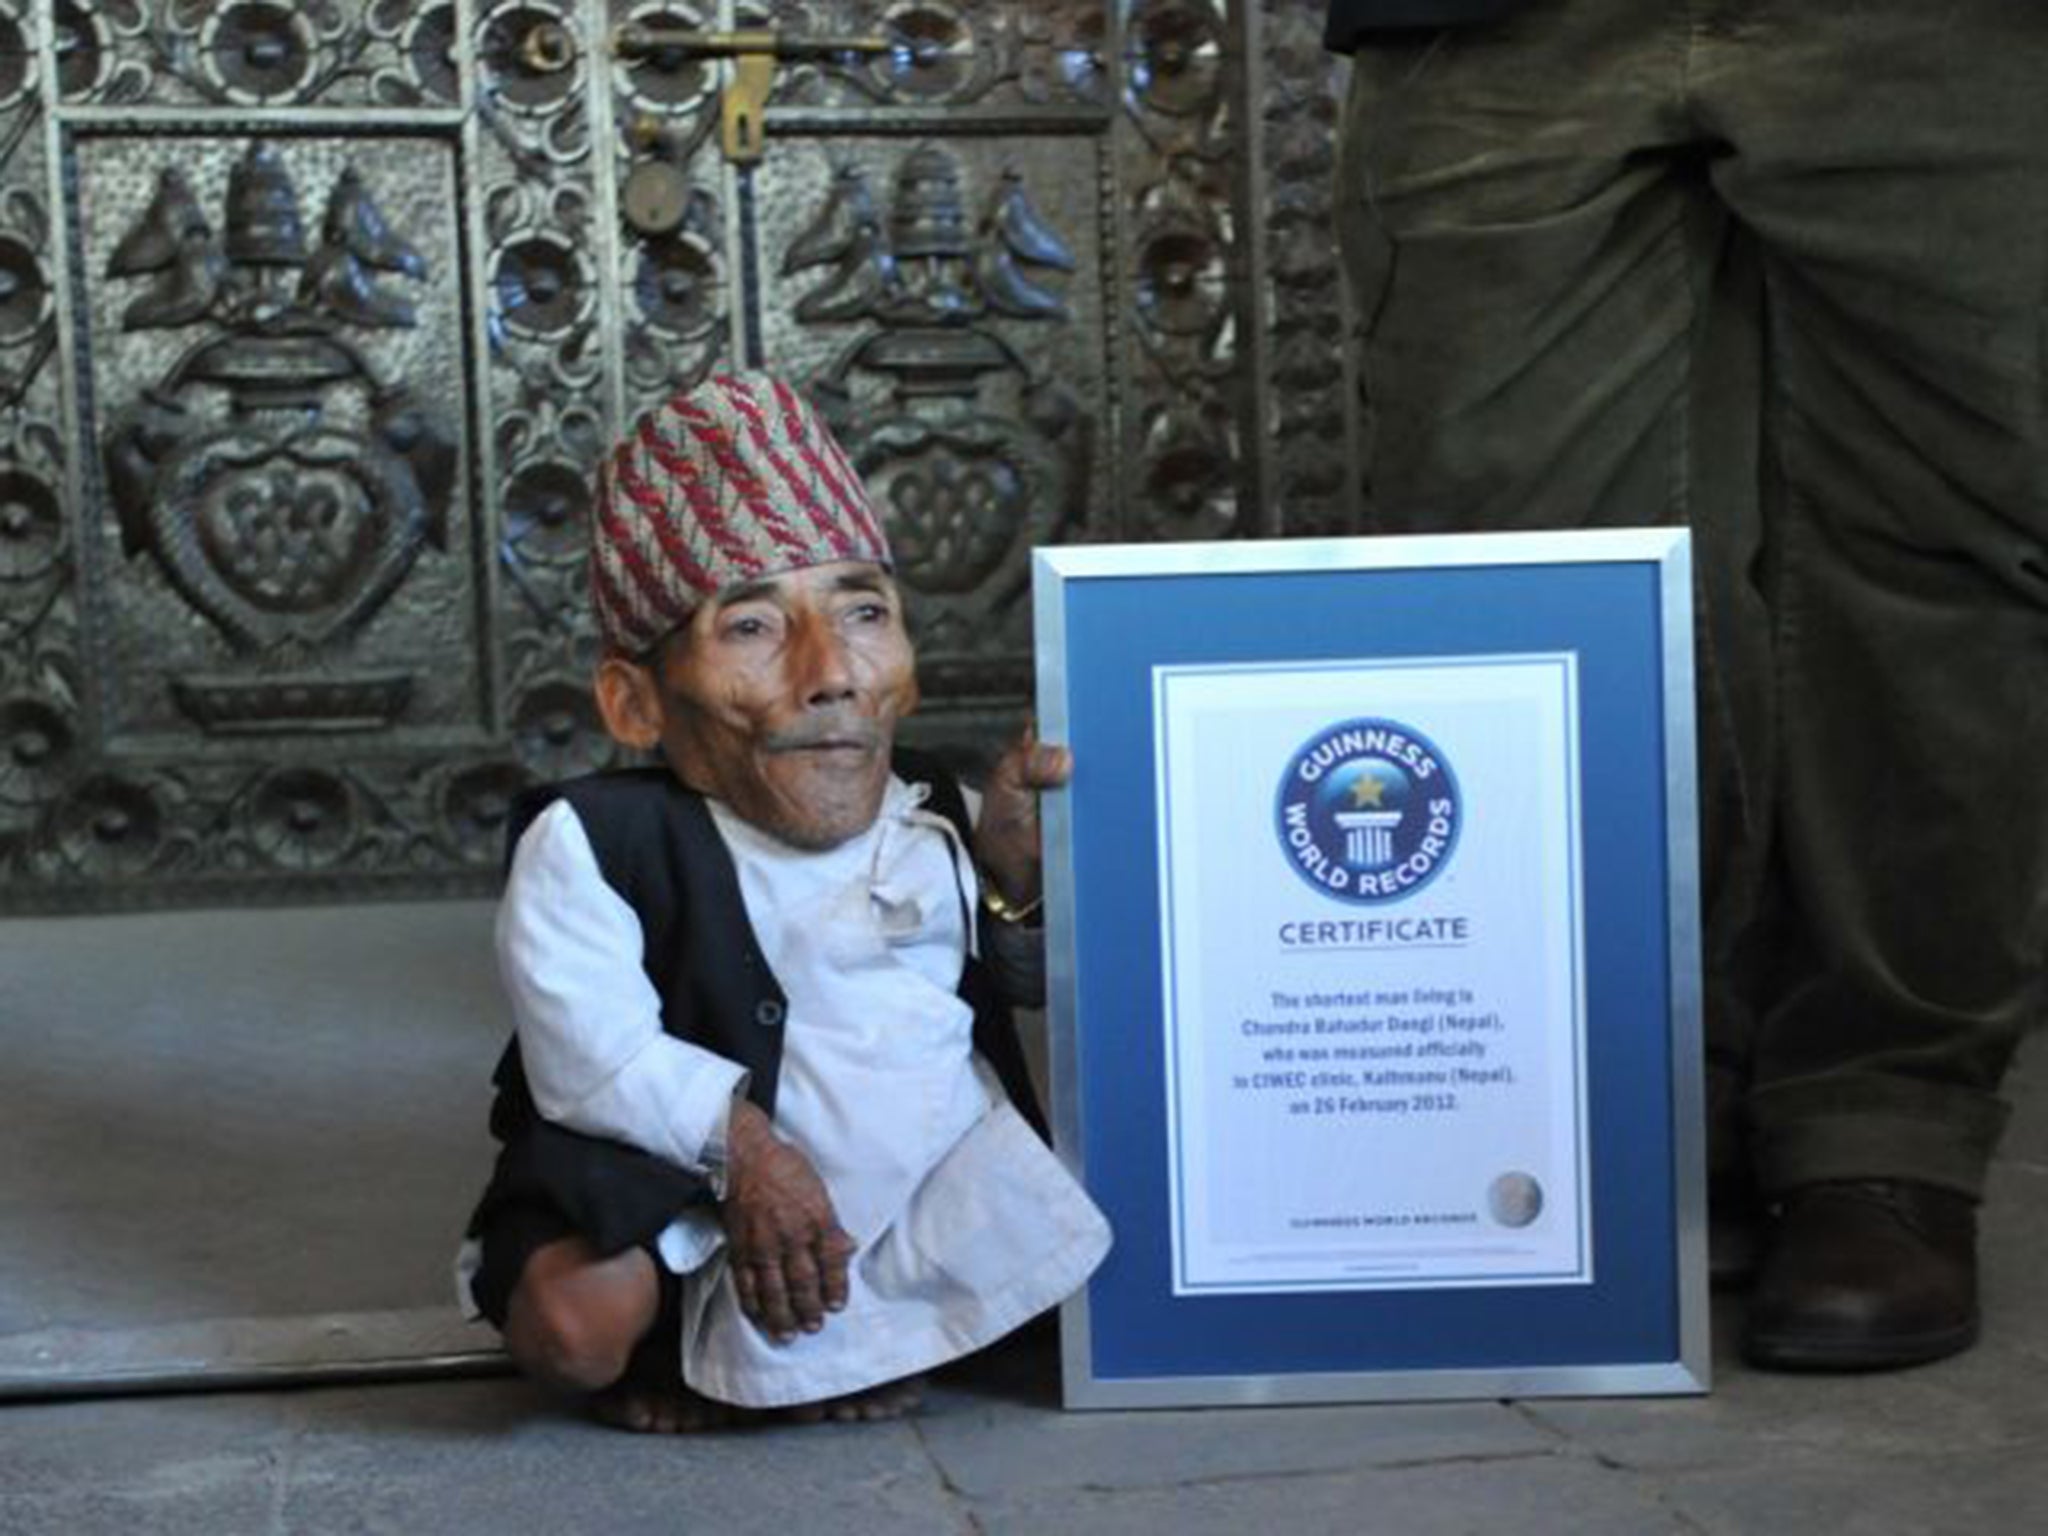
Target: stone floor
1957 1447
318 1165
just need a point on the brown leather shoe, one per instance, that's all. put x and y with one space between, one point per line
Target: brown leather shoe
1865 1276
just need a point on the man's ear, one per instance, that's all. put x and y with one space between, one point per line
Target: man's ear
629 700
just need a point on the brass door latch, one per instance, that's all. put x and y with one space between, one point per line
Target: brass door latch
549 47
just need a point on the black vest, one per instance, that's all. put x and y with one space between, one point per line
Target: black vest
658 847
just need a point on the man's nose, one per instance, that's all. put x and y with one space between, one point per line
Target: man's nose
820 664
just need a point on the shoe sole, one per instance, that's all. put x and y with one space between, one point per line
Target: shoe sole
1844 1355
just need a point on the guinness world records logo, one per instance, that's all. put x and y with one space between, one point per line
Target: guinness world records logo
1368 811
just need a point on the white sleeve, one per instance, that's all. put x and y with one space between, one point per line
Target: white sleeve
589 1020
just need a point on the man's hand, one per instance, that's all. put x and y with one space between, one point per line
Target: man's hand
1006 838
783 1239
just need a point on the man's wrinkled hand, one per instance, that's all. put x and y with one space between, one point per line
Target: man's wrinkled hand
1006 839
786 1249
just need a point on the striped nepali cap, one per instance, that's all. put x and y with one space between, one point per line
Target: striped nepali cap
731 481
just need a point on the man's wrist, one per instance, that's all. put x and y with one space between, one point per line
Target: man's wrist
719 1153
749 1131
1004 910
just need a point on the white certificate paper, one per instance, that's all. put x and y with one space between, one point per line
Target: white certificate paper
1375 1013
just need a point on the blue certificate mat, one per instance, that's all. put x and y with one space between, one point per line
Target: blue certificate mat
1373 931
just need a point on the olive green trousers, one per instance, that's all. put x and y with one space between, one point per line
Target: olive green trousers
1776 270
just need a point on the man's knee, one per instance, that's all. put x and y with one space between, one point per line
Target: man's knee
573 1319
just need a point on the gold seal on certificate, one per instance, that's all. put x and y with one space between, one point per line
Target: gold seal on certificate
1515 1199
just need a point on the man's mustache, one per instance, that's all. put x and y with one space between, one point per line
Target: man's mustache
827 731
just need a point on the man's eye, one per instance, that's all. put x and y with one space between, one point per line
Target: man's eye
746 628
870 613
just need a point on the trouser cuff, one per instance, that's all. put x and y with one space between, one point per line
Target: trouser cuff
1814 1134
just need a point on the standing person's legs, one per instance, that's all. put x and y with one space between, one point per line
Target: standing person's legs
1518 250
1893 161
1554 336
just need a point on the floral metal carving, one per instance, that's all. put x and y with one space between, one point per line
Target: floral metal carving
44 762
277 524
1310 414
956 53
1186 435
255 53
974 451
293 473
921 266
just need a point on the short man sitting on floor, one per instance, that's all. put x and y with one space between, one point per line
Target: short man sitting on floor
762 1141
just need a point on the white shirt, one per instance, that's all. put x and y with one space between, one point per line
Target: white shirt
967 1224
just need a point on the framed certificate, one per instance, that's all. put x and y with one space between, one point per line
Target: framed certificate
1373 959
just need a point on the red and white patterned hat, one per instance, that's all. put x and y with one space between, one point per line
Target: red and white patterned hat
732 481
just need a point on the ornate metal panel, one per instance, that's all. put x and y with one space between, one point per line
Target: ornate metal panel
1308 409
315 317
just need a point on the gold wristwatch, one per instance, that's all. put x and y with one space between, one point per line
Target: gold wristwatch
1002 909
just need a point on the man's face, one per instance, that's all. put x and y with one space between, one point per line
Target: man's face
780 697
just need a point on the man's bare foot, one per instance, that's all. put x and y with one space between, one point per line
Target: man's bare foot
662 1410
891 1400
678 1411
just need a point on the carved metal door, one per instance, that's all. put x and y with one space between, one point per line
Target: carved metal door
315 316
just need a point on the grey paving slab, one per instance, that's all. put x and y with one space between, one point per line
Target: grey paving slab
993 1427
1532 1495
141 1445
1755 1419
553 1474
449 1457
1946 1495
1000 1449
1988 1399
247 1507
1933 1451
200 1465
2014 1248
